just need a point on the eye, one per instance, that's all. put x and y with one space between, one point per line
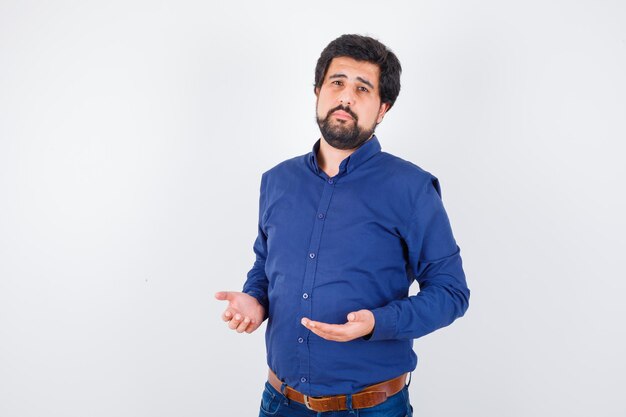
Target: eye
336 82
364 89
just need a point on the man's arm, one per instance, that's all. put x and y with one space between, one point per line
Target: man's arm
257 283
248 309
435 262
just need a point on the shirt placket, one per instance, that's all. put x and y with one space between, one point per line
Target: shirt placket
309 280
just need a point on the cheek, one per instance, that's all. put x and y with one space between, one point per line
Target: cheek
320 112
322 108
370 116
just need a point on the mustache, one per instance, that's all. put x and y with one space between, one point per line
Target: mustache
346 109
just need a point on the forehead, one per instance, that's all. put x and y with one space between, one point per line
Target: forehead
352 68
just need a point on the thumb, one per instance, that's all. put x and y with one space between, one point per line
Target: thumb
354 316
223 295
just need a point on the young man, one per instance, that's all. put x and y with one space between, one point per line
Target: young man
343 231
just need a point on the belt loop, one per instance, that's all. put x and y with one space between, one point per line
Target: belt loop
283 385
349 403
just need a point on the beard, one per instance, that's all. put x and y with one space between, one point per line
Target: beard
344 134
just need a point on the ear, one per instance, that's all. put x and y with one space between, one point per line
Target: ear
316 90
382 111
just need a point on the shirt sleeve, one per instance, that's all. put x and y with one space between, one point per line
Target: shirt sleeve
434 260
256 283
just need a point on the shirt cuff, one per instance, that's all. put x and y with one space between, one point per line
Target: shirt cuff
385 324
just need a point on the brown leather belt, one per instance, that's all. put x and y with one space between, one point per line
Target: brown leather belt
368 397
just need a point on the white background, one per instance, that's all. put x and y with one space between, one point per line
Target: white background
132 140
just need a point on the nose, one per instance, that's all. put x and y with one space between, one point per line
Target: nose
347 97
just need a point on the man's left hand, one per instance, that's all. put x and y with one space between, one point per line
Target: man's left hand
360 323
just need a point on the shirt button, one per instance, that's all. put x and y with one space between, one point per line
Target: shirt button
303 379
305 296
330 180
320 216
311 255
300 340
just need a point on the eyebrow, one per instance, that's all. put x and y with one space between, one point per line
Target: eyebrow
363 80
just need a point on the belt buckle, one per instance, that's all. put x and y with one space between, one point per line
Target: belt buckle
306 402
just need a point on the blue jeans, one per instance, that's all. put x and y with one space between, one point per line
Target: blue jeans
275 404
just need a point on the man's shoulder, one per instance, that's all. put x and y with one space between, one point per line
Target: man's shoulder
405 175
286 167
404 169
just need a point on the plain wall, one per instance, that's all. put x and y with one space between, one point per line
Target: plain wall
132 140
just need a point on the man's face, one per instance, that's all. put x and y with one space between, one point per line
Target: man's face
348 102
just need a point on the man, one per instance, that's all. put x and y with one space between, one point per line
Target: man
343 231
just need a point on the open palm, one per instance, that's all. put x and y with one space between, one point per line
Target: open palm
244 313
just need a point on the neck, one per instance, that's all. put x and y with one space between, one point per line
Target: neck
329 158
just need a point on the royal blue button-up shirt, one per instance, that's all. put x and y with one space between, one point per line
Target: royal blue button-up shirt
330 246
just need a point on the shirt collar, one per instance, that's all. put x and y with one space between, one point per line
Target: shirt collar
364 152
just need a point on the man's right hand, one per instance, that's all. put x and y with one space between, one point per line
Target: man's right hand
244 313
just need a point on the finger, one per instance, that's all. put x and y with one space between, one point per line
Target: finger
325 330
251 327
234 323
228 315
330 329
223 295
308 323
327 336
361 315
243 325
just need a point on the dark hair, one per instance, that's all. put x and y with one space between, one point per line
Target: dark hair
364 48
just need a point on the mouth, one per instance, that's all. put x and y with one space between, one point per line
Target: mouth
340 114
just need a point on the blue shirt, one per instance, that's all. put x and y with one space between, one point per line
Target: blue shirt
330 246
